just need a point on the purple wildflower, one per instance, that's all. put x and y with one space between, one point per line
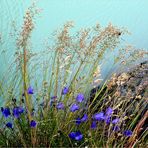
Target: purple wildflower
115 121
76 135
33 123
65 90
6 112
74 107
30 90
20 109
72 135
84 118
9 125
93 125
116 128
99 116
17 111
78 121
107 119
128 133
109 111
80 97
60 105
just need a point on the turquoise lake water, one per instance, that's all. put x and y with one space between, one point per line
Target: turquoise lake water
131 14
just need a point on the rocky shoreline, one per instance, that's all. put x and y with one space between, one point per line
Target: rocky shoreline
132 84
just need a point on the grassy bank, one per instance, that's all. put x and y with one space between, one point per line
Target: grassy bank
47 94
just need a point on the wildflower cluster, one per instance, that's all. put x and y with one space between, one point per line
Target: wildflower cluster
106 117
16 111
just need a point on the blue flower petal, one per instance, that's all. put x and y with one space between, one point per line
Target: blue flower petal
128 133
116 128
65 90
80 97
78 121
99 116
93 125
109 111
20 110
76 135
74 107
17 111
33 123
84 118
107 119
72 135
60 105
9 125
6 112
30 90
115 121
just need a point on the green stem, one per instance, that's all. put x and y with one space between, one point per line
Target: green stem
25 83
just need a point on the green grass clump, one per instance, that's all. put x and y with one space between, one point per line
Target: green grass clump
40 89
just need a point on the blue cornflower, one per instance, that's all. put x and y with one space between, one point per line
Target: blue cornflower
94 125
76 135
72 135
109 111
65 90
115 121
116 128
128 133
84 118
30 90
17 111
60 105
20 109
99 116
74 107
78 120
9 125
107 119
33 123
80 97
6 112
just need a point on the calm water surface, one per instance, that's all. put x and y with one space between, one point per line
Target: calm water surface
132 14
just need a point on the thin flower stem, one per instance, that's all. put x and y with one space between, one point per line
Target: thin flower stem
52 74
28 105
56 77
25 83
81 64
97 94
